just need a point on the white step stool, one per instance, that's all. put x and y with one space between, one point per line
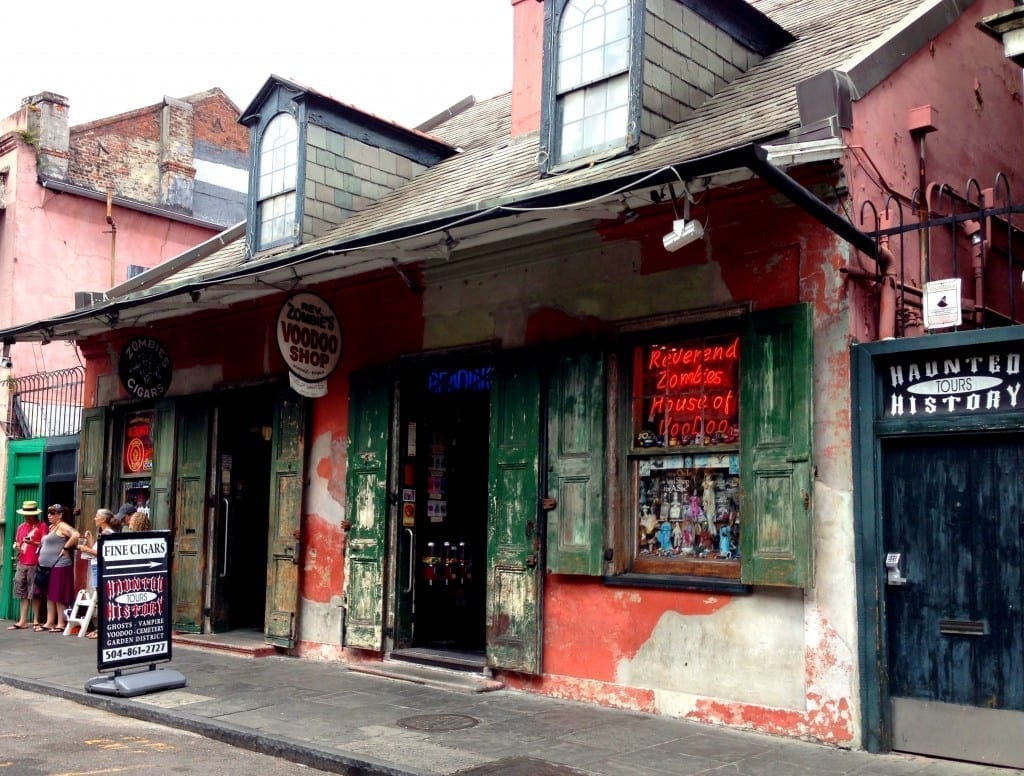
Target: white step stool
81 612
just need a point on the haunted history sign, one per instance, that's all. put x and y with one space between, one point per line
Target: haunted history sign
134 598
963 381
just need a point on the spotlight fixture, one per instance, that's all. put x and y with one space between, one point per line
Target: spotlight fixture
684 231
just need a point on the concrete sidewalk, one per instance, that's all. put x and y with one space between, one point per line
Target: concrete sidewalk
329 717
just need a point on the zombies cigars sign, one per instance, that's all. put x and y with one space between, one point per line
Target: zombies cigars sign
134 598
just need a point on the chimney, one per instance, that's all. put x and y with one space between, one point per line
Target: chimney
528 59
177 170
48 121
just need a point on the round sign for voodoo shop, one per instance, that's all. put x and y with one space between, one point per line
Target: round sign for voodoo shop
145 368
309 337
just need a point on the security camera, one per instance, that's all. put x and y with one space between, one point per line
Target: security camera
683 233
6 363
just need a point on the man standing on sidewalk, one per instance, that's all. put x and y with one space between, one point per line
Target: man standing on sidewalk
26 544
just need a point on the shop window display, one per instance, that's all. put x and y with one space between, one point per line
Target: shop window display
685 490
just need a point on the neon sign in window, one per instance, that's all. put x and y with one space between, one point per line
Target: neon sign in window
686 393
459 380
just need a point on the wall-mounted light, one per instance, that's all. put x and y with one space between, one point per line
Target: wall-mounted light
684 231
628 215
194 294
448 244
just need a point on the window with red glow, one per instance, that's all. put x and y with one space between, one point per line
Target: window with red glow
685 457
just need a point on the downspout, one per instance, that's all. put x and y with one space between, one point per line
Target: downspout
885 261
887 297
973 230
113 238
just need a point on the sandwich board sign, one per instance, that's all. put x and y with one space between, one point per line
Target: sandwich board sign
134 612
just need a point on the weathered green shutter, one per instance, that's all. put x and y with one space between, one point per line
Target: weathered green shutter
369 431
575 459
775 456
287 478
190 517
24 483
514 576
92 459
161 491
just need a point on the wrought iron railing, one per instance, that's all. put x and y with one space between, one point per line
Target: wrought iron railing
46 404
969 235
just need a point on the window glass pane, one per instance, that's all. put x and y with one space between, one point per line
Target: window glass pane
616 57
594 99
593 132
618 91
278 155
569 76
592 66
593 32
277 218
570 42
615 124
616 26
572 140
572 107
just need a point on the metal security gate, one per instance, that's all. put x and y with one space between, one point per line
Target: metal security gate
952 511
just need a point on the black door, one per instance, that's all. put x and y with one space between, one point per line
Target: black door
954 511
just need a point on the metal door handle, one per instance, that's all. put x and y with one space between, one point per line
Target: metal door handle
224 554
412 554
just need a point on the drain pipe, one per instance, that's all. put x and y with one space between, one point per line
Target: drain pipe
885 261
973 231
887 297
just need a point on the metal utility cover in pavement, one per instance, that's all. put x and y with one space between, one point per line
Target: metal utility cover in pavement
438 722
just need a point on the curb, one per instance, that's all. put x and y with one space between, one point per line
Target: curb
243 738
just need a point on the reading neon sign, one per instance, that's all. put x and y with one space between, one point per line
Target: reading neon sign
690 392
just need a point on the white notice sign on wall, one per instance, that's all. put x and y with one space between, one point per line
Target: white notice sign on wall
942 304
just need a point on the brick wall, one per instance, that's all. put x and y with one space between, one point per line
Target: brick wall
149 155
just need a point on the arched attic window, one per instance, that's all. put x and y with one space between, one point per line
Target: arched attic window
592 78
275 197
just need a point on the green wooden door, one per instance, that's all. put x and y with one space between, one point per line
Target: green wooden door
161 487
92 462
188 569
24 483
287 479
575 460
514 567
369 432
775 418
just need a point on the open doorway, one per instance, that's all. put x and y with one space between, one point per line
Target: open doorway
444 470
242 459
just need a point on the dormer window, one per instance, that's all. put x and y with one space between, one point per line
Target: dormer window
590 101
277 181
592 82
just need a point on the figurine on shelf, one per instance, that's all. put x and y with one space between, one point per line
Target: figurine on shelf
708 496
725 545
696 510
648 528
677 535
665 537
675 509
